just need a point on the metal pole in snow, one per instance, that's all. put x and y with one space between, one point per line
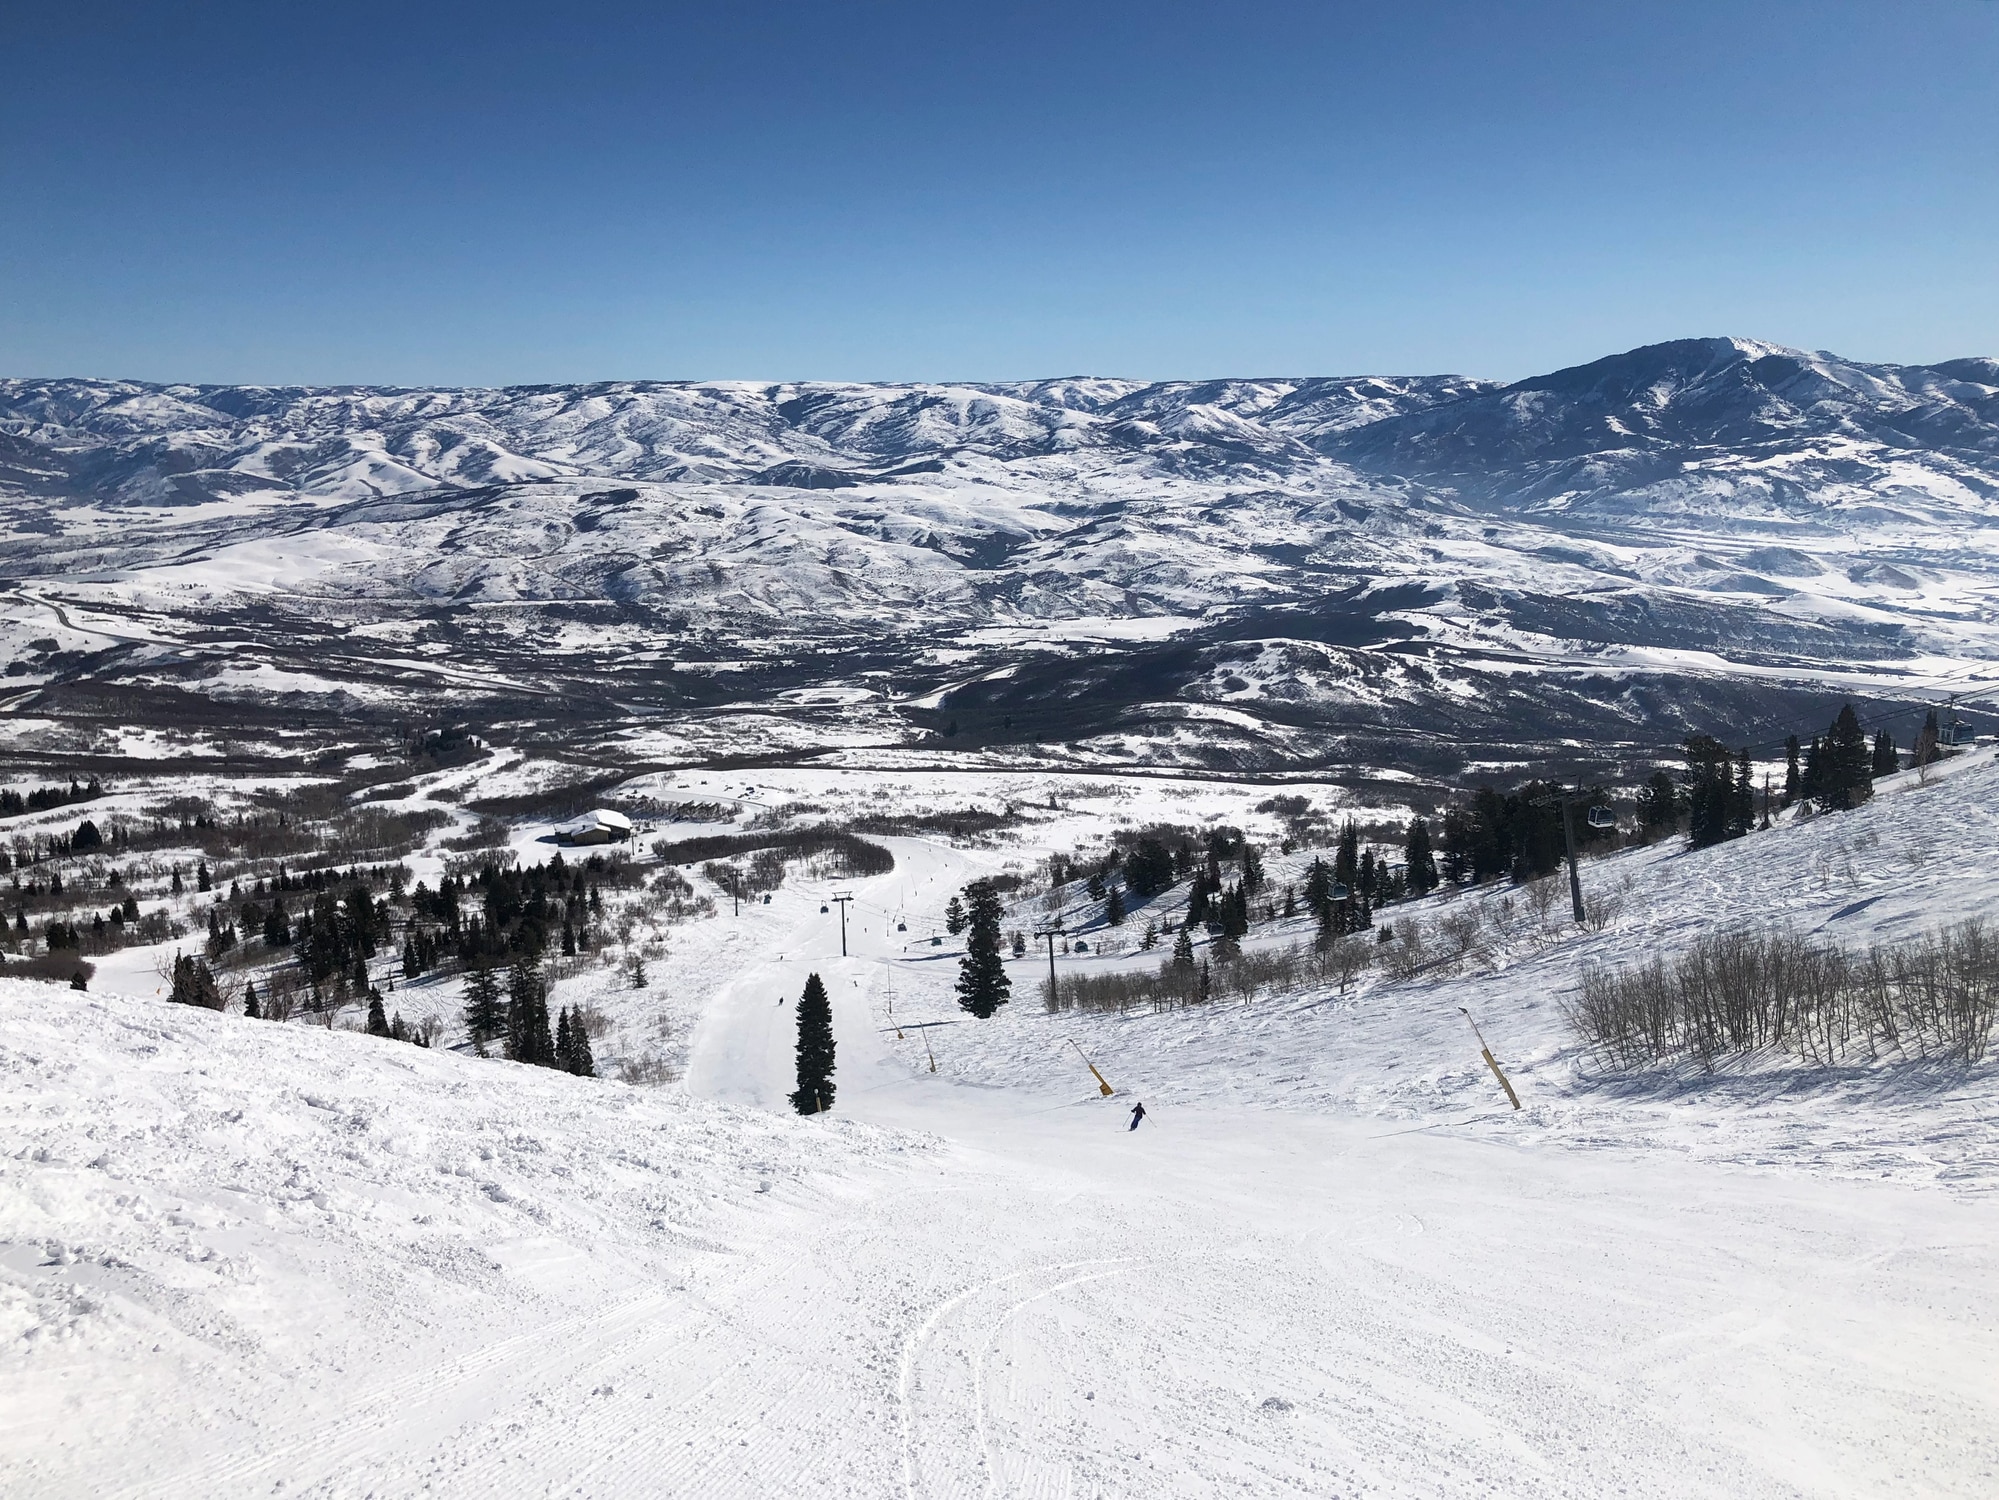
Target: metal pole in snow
1575 880
1050 933
843 900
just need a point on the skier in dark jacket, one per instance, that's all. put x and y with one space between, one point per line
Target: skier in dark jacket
1137 1114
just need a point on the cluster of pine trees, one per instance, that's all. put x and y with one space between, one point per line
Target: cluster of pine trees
42 798
519 1018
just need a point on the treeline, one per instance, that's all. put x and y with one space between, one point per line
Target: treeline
1739 993
41 798
849 855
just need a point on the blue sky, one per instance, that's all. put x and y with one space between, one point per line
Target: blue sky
499 193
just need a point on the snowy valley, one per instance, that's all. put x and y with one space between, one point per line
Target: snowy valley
468 1163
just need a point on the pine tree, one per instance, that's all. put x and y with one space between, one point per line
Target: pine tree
529 1038
1742 804
1793 775
201 880
954 916
1252 868
1710 791
194 983
1114 907
1318 888
485 1014
1846 774
1183 952
563 1043
578 1059
251 1011
1418 861
378 1021
1886 761
815 1050
983 986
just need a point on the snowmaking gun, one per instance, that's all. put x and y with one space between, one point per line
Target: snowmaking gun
1490 1062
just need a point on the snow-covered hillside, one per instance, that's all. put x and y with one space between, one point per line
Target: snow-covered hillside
1269 572
240 1257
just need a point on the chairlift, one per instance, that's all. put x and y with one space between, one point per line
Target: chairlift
1340 892
937 942
824 909
902 927
766 899
1602 817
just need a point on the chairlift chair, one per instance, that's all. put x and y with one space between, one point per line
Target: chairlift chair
1340 892
902 927
1602 817
824 909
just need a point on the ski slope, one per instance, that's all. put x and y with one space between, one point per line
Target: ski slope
244 1259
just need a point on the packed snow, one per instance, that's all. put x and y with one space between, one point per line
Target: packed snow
244 1258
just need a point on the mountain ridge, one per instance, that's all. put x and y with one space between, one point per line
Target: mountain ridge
1817 525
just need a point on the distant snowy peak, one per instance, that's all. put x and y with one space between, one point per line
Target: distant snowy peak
1725 417
1695 425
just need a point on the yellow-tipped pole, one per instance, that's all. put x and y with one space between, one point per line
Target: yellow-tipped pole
1486 1053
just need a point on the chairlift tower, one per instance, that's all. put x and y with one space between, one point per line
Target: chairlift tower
1051 933
841 902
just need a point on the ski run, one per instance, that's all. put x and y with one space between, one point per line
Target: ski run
247 1259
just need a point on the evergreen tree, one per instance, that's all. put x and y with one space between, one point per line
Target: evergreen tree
1658 805
1419 862
562 1038
1252 869
529 1038
1886 761
983 986
194 983
815 1050
1846 774
1710 791
954 916
576 1057
1183 952
378 1021
201 880
1812 782
1742 805
251 1011
175 885
1794 775
485 1014
1318 888
1114 907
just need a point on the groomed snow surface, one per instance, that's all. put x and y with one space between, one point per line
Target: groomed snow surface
245 1259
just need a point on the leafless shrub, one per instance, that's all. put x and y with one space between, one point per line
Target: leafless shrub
1343 960
1601 908
486 833
649 1069
1738 993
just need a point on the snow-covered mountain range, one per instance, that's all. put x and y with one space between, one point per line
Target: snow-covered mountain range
1711 533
